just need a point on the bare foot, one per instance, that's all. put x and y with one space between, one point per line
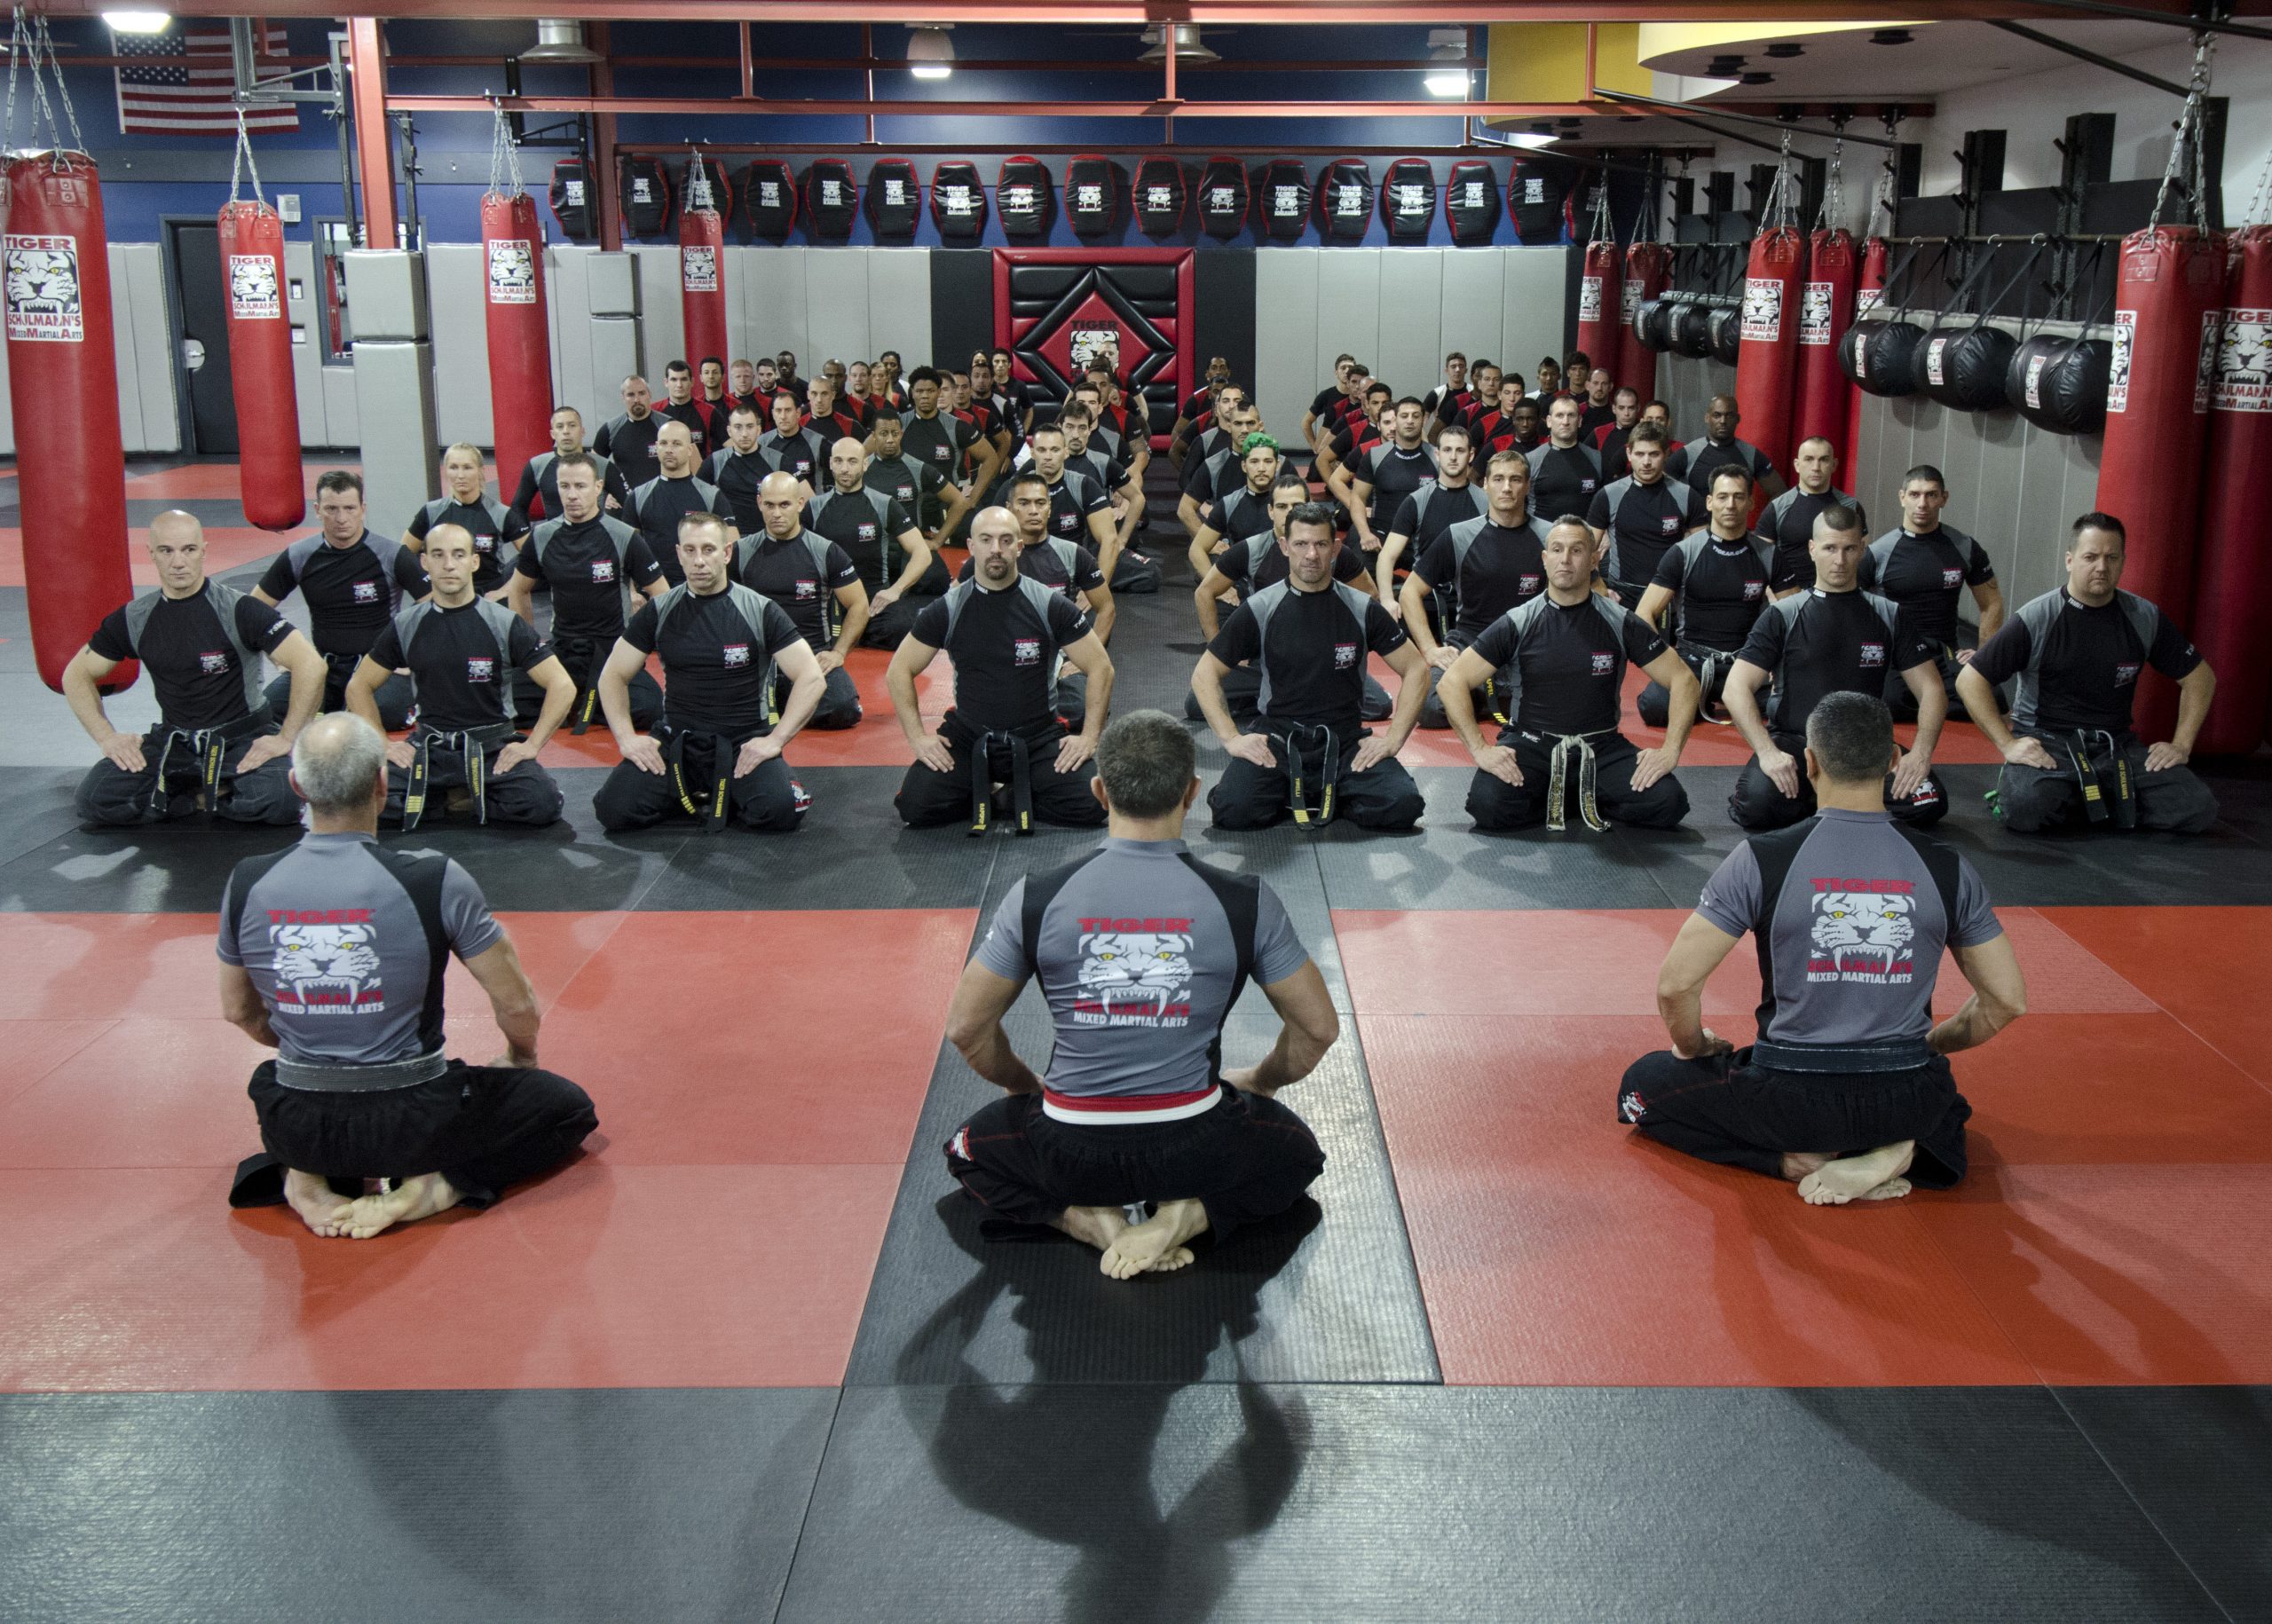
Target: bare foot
1098 1226
408 1201
1798 1163
319 1209
1892 1189
1147 1247
1833 1184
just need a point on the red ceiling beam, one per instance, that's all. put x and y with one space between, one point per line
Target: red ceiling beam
1405 13
730 105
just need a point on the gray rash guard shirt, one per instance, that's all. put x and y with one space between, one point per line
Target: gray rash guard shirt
1850 944
333 943
1137 960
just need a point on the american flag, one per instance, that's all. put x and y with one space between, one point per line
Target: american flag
186 86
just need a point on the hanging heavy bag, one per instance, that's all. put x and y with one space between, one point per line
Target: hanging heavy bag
1653 328
1409 199
702 263
893 201
768 199
1869 294
1600 280
1825 311
1647 266
1879 351
1091 195
1767 323
1345 200
1538 198
570 195
1284 200
832 199
2233 586
1471 203
644 192
1025 199
1160 195
2059 383
1222 199
1725 327
957 202
260 357
1963 367
1688 324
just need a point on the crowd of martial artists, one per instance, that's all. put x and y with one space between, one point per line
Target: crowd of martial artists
1506 551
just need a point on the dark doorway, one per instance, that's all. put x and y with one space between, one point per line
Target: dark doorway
202 363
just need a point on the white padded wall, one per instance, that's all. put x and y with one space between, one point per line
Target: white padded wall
1535 287
899 304
1473 314
1348 311
1285 342
457 307
662 317
772 297
1405 353
836 309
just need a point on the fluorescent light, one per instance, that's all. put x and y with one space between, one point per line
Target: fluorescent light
930 53
1532 141
1452 82
138 22
1447 46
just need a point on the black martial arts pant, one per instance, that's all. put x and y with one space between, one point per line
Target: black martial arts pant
528 796
1133 575
1722 1109
928 799
1489 703
111 797
1247 1158
839 702
1758 804
765 799
2031 800
1493 803
1711 666
1243 695
396 697
1903 704
886 630
1250 797
584 659
481 1127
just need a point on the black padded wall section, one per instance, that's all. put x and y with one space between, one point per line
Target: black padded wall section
962 302
1223 288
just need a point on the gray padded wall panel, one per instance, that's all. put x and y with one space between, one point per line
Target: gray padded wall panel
836 309
567 295
1473 316
616 355
307 352
1348 311
899 304
153 340
457 303
128 359
1535 287
394 387
1405 353
1687 386
341 420
1285 346
662 317
773 298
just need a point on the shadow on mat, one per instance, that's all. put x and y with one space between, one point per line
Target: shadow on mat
1075 1464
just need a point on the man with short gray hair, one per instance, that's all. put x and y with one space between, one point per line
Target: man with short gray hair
1142 951
332 953
1847 1092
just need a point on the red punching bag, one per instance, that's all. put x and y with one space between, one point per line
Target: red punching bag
1825 311
1647 265
63 389
2166 331
520 343
1869 292
702 267
1767 362
2233 586
260 367
1600 292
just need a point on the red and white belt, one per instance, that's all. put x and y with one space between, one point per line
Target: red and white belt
1121 1110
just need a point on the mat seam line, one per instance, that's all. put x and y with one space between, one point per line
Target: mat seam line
9 1099
804 1515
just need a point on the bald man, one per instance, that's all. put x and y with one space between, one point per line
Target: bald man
816 586
656 507
216 745
629 440
879 533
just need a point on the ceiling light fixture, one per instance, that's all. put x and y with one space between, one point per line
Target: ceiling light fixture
930 53
1891 36
1786 50
138 22
1449 48
559 39
1188 46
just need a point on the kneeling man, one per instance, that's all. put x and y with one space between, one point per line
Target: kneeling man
1142 949
1568 650
332 954
1848 1091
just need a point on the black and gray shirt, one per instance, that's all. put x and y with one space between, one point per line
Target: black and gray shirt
1566 663
489 522
351 591
461 659
1821 642
2078 667
202 651
1790 519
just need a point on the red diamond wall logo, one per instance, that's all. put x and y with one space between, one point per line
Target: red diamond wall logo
1057 310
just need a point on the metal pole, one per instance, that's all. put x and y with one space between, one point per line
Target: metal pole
373 146
2099 8
342 115
1627 98
2092 57
410 233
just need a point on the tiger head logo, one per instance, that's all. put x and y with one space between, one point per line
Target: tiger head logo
1863 931
1136 971
336 964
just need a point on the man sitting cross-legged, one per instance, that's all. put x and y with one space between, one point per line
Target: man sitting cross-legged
1142 951
1848 1091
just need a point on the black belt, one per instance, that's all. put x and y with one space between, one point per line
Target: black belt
2111 797
982 780
473 744
712 811
340 1077
1907 1054
1560 748
1294 741
579 655
1711 666
208 748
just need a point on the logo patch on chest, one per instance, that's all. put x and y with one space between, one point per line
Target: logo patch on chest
365 591
866 531
1025 651
2124 675
1529 584
1672 523
1753 589
1345 655
1605 665
1587 485
808 590
737 655
1873 656
1952 577
214 663
480 669
484 543
603 571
